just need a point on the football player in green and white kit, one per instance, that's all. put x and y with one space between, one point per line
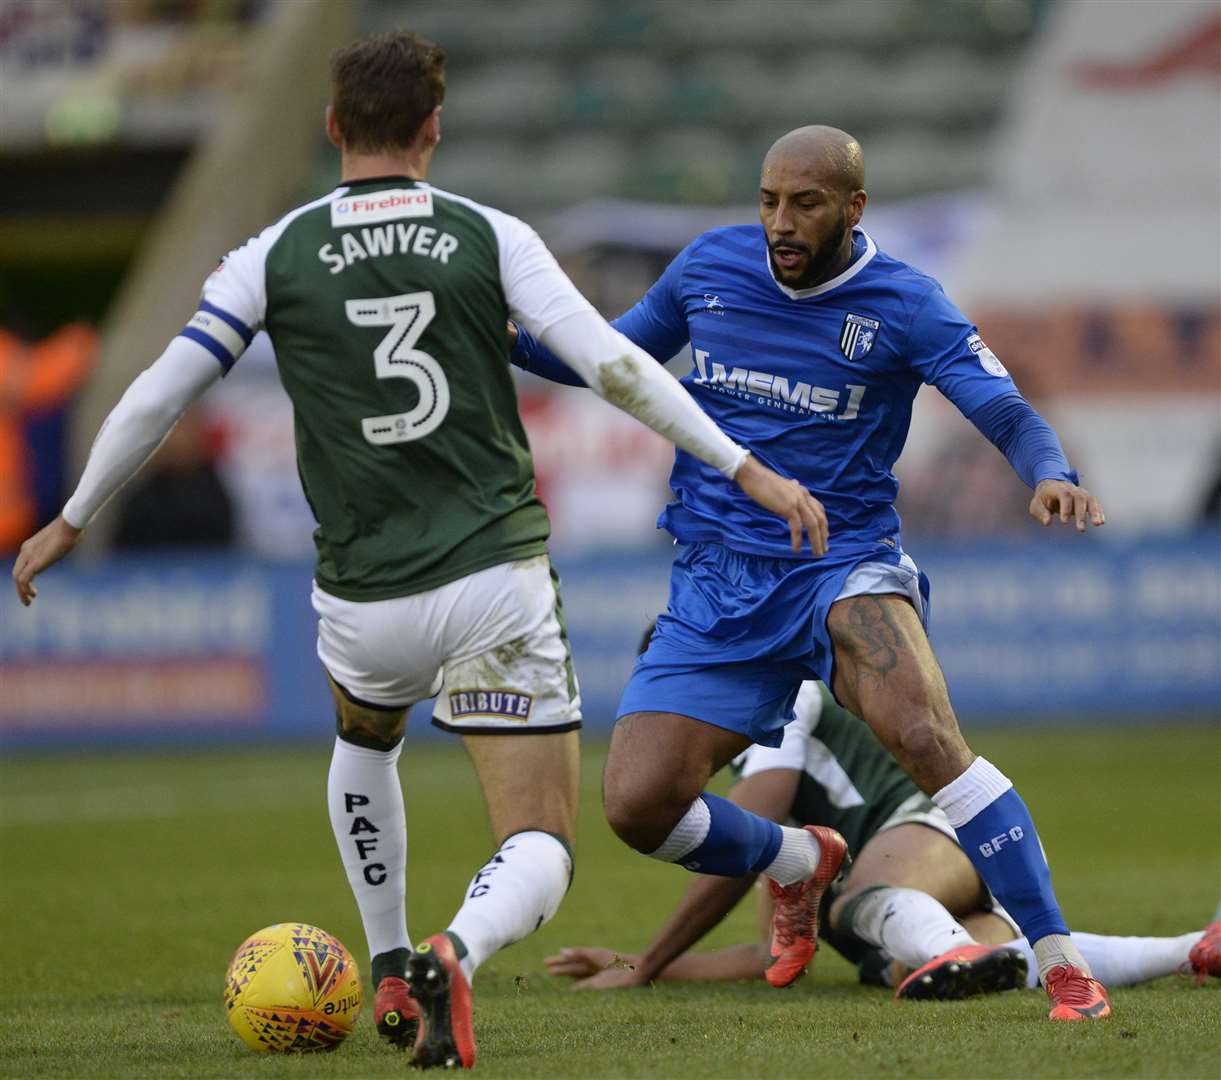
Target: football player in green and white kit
386 301
912 912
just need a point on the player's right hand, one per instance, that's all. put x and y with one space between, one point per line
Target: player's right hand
789 499
595 968
45 548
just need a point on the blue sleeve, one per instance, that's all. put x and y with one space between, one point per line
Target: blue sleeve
1024 437
657 324
532 355
945 350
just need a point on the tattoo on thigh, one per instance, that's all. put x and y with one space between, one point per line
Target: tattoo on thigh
875 639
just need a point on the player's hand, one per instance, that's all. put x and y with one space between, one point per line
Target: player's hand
45 548
596 969
1068 502
610 979
512 328
789 499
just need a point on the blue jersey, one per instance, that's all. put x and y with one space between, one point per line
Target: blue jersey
817 383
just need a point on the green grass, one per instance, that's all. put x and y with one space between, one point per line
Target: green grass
126 882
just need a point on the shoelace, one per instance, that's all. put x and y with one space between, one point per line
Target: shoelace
794 919
1070 986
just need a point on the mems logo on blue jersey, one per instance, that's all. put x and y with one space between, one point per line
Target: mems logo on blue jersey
857 336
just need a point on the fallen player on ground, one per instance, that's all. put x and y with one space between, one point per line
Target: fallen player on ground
912 913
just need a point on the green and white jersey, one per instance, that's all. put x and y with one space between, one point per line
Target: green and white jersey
849 780
386 303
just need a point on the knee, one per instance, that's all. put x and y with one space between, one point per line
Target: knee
639 815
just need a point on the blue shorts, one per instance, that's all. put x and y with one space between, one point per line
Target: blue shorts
742 632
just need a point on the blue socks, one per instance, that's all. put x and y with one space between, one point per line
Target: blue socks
996 832
716 837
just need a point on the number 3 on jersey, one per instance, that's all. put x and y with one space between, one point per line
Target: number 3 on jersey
395 357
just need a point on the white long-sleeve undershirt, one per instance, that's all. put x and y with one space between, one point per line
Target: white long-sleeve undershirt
139 423
612 365
625 375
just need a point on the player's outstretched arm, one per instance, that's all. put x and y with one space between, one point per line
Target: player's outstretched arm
1015 428
598 968
705 904
133 430
630 379
947 352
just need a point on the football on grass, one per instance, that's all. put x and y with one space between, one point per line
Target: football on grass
292 988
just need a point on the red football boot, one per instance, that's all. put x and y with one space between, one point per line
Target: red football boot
395 1012
1205 955
965 972
1074 995
794 937
446 1037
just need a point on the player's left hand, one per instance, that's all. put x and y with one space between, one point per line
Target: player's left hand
595 968
787 499
1068 502
45 548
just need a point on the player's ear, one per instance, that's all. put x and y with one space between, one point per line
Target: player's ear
856 207
332 128
431 129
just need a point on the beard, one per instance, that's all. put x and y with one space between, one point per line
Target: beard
821 262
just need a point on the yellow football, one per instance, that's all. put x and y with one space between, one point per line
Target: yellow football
292 988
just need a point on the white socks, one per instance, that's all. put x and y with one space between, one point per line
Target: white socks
1056 949
910 925
365 800
798 857
514 893
1122 961
691 831
980 785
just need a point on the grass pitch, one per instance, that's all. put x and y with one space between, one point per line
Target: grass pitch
127 881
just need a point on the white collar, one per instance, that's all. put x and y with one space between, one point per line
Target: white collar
854 268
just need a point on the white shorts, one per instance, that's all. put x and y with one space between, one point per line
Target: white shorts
919 809
490 645
879 578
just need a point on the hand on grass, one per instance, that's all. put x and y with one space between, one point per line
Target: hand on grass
595 968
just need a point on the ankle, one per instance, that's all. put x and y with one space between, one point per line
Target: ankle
391 964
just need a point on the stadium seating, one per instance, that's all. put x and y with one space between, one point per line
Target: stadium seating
553 103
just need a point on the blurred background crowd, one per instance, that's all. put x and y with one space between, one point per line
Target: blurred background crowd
1053 162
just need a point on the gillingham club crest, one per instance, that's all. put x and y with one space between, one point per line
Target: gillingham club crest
857 336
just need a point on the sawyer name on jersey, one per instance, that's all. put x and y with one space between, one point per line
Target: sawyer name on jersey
395 239
393 353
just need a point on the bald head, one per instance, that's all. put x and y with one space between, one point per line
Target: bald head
811 196
833 156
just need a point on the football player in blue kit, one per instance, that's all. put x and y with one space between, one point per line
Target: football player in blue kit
809 344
